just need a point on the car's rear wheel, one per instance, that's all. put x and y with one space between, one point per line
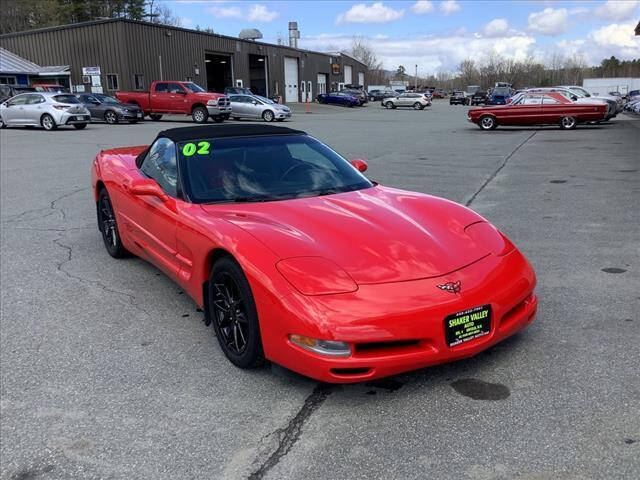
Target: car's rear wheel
47 122
236 118
487 122
417 106
268 116
110 117
79 126
568 123
109 227
234 316
2 124
388 105
155 117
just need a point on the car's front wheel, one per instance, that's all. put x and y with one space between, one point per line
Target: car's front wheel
108 226
487 122
110 117
2 124
268 116
568 123
47 122
200 115
233 313
388 105
155 117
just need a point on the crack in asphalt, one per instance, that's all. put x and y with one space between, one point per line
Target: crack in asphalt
500 167
51 208
289 435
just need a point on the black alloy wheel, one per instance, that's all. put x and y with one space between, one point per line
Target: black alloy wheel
108 226
234 315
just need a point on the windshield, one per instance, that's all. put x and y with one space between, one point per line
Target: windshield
192 87
105 98
502 91
66 99
254 169
264 99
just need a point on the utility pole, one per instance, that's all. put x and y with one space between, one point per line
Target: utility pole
415 81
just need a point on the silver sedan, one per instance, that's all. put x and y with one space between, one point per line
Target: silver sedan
255 106
45 109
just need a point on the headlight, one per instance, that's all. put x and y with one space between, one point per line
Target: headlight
212 102
330 348
488 236
316 276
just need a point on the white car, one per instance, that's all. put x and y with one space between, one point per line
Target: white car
44 109
417 101
579 97
255 106
601 96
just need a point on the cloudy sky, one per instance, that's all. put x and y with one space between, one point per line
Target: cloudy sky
435 35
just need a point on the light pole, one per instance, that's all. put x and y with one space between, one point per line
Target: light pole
415 81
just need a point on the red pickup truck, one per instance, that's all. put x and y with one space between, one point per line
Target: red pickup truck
169 96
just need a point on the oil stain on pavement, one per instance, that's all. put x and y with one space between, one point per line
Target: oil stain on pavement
479 390
613 270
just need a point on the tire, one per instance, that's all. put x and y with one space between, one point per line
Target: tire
279 119
133 122
236 118
2 124
487 122
268 116
108 226
568 123
110 117
47 122
219 119
233 314
417 106
79 126
200 115
155 116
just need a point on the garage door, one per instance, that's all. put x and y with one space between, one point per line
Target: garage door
290 79
347 74
361 79
322 83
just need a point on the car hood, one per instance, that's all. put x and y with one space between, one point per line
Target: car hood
376 235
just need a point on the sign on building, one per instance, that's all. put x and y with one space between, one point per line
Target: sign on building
91 71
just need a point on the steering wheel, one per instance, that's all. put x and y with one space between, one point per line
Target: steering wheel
295 167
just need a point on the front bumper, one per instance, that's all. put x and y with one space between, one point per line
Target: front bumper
217 110
412 313
282 114
131 115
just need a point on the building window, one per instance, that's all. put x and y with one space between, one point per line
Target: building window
112 81
8 80
188 79
138 81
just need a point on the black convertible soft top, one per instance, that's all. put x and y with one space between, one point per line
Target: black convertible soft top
219 131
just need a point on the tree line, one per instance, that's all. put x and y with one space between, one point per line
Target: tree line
21 15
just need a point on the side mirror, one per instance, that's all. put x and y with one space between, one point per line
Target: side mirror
94 102
255 102
147 187
359 164
574 98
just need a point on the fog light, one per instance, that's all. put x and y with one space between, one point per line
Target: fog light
323 347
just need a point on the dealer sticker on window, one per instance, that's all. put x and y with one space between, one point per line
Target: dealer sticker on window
465 326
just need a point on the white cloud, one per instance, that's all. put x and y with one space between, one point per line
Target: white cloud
617 9
260 13
496 27
374 13
449 6
616 35
430 52
186 22
225 12
549 21
421 7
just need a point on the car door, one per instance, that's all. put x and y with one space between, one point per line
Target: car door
161 98
13 112
92 104
240 106
150 221
34 108
527 111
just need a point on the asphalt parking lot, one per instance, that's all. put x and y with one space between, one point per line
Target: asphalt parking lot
107 370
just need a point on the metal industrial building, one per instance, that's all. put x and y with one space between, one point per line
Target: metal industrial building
120 54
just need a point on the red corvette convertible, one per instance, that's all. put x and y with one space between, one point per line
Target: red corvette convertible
549 108
296 257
